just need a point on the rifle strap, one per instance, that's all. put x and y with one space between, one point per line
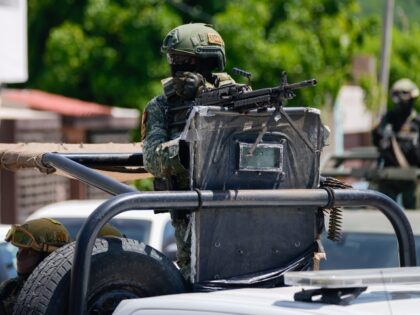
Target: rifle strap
399 154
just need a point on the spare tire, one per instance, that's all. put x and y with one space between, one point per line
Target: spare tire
120 269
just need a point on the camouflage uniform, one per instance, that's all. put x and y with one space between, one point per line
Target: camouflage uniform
399 130
163 121
193 52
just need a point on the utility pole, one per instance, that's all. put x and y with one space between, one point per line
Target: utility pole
388 21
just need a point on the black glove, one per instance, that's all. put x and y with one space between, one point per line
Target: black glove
188 85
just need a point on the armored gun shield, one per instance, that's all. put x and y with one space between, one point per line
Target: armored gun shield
224 155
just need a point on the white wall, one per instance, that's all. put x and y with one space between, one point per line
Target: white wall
13 41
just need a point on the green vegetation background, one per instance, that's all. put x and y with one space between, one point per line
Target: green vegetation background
107 51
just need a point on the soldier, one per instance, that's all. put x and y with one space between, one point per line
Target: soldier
193 52
397 139
36 239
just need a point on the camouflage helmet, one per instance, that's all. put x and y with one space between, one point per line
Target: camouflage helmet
42 235
196 39
405 87
109 230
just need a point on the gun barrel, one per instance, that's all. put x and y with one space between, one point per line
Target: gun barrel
301 85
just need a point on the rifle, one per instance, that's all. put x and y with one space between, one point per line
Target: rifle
238 97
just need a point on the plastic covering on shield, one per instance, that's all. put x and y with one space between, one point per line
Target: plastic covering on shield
224 155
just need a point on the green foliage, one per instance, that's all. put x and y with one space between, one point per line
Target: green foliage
405 49
306 38
109 51
144 184
405 11
372 90
403 59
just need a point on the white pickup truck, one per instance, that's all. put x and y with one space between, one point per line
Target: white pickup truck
357 292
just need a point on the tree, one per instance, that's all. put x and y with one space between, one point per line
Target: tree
306 38
404 59
107 52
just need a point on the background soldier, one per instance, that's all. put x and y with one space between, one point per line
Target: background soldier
193 51
36 239
397 138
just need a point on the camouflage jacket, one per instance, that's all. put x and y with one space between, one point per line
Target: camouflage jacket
406 128
9 291
163 122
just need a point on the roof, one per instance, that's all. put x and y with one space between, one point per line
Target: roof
59 104
377 299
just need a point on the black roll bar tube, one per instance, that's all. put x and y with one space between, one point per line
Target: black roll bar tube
178 200
85 174
106 159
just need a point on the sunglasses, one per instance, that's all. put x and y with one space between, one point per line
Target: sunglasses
19 237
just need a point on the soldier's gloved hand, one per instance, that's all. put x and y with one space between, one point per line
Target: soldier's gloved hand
188 84
386 135
169 152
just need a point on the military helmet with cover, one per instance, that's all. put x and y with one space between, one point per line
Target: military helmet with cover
197 40
42 235
404 90
109 230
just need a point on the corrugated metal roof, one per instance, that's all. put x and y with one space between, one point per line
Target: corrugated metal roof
59 104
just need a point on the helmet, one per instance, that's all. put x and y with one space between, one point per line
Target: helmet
42 235
196 39
109 230
404 90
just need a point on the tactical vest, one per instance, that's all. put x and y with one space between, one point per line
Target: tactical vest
178 109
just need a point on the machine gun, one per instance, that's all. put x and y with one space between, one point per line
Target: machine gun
239 98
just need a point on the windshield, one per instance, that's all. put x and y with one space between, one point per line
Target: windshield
137 229
363 250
